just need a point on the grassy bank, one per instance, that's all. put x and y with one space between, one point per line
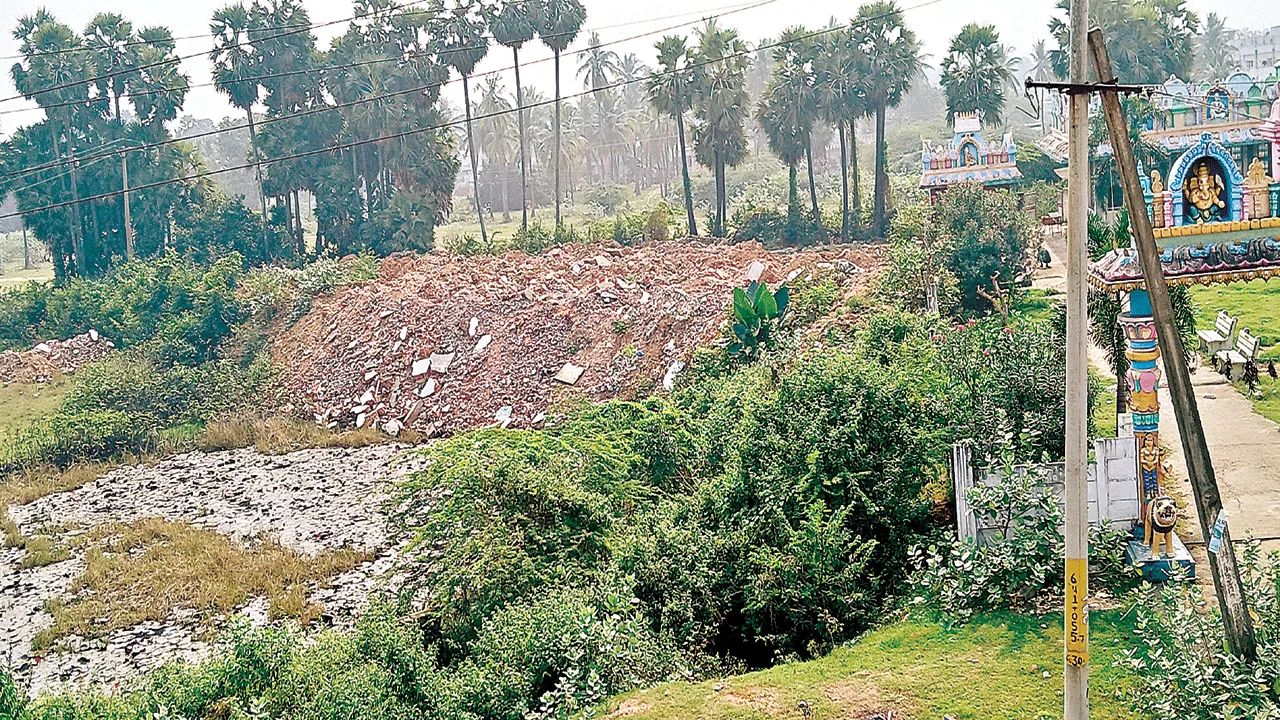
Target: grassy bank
1000 666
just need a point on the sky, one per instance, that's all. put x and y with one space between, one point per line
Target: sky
1019 22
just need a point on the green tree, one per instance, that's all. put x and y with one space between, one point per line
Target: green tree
460 28
514 23
671 92
234 72
787 111
842 92
720 103
560 21
975 72
893 62
1148 40
1215 49
109 37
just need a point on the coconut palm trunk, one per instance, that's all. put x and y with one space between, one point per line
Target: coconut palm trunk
684 172
524 152
77 240
880 216
844 183
556 53
855 188
471 147
813 189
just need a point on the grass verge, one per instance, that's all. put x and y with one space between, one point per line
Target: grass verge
148 569
275 435
23 403
991 669
1256 303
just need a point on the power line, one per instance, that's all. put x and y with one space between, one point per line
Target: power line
408 133
376 98
374 61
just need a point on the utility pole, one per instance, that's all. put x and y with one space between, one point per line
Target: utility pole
1075 674
1226 575
128 224
82 262
26 248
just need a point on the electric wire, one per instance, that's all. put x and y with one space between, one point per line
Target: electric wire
440 126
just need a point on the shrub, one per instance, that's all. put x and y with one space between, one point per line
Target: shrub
73 436
1181 656
985 237
1021 561
755 313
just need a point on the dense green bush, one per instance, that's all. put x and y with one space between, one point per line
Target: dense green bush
181 309
1022 560
984 237
71 436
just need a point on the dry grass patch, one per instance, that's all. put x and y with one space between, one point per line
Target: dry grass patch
277 435
149 568
29 485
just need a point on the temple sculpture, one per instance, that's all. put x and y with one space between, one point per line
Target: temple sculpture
1215 219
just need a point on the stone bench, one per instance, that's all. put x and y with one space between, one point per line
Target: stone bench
1218 339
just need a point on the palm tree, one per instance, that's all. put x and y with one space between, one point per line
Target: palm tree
671 92
598 67
495 135
460 28
788 110
975 72
560 21
235 65
893 61
720 99
513 24
842 78
1041 70
1215 48
108 35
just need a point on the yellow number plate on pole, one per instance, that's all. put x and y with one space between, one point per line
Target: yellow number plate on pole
1077 620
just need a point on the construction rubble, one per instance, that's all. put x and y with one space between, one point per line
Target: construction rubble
440 344
41 363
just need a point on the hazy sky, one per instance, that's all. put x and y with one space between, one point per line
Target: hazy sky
1020 23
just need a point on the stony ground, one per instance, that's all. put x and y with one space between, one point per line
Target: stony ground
311 500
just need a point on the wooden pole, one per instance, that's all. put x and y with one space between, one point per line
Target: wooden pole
128 224
1226 575
1075 675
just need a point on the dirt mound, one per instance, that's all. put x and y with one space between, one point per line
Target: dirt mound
42 362
444 343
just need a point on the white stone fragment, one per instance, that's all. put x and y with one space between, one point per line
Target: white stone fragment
429 389
669 379
603 261
420 367
503 416
93 335
404 333
360 419
440 362
570 373
484 343
475 324
392 427
754 270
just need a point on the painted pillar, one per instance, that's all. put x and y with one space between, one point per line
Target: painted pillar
1168 208
1143 383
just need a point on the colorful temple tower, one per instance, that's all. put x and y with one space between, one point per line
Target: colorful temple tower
1216 220
969 158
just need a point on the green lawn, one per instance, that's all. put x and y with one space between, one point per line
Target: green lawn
991 669
1104 410
21 403
1256 303
1036 304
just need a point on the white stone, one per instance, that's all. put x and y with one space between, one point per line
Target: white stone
440 362
475 324
603 261
93 335
404 333
503 416
669 379
392 427
754 270
367 397
429 389
570 373
44 348
360 420
484 343
420 367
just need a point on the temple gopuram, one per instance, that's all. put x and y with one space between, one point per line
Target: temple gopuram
1216 218
969 158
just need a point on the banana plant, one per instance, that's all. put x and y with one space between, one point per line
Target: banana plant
756 311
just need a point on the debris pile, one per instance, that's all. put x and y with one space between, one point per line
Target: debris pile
440 344
49 358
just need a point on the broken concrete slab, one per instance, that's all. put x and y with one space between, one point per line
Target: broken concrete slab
421 367
570 373
484 343
440 362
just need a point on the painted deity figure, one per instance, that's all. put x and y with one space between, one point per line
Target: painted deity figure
1257 184
1157 199
1204 192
